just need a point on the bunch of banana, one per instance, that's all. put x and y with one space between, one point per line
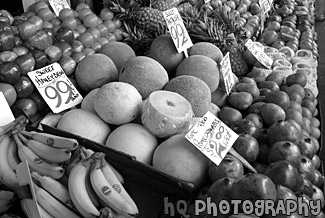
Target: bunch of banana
93 185
45 153
6 200
49 205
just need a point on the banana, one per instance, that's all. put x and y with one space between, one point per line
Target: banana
6 197
48 153
108 194
115 183
88 152
4 208
78 190
52 140
35 162
24 205
10 126
53 206
7 176
12 155
53 187
43 212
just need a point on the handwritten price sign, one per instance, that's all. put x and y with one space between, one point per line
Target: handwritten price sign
227 73
177 30
265 4
55 87
212 137
259 54
58 5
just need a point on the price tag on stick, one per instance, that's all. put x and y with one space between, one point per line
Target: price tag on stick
177 30
215 139
25 181
55 87
259 54
227 74
6 115
58 5
265 5
212 137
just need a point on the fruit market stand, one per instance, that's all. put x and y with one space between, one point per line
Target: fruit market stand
126 108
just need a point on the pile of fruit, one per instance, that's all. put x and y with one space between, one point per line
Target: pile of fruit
141 97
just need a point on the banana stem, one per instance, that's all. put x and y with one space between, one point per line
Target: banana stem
7 128
17 140
22 138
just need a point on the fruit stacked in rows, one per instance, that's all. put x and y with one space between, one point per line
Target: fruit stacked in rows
38 38
292 25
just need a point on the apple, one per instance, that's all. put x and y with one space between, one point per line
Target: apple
7 40
9 72
53 54
38 99
68 65
20 50
27 105
24 87
40 40
26 29
65 47
65 34
26 63
40 57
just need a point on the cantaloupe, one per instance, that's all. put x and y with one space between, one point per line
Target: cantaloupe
85 124
145 74
201 67
207 49
163 50
195 90
94 71
119 52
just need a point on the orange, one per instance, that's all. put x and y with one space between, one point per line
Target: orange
270 36
110 26
83 13
106 14
90 20
65 13
46 14
81 6
86 39
274 25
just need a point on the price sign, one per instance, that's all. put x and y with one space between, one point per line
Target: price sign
212 137
25 180
58 5
227 74
6 115
265 4
259 54
177 30
55 87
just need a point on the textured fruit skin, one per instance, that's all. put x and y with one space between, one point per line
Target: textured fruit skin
160 5
238 64
149 19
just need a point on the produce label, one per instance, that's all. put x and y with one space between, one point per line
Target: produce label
259 54
24 178
265 4
6 113
58 5
55 87
177 30
212 137
227 73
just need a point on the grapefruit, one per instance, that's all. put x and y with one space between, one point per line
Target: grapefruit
139 142
117 103
85 124
95 70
